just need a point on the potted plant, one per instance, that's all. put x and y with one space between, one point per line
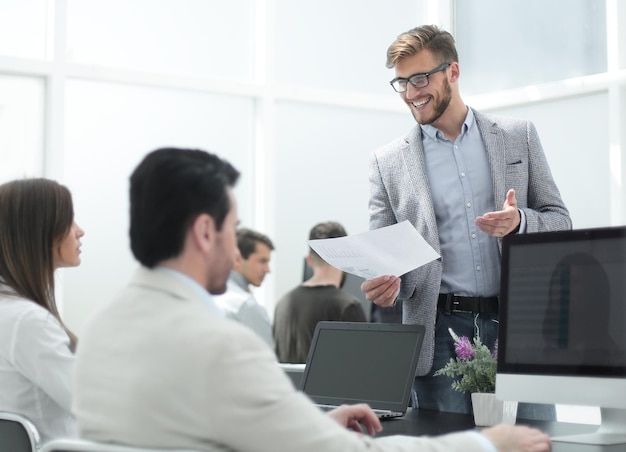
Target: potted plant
474 372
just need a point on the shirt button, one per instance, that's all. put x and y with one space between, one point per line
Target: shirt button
478 267
469 204
473 236
462 174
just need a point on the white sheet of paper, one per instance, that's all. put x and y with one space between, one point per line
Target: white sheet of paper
392 250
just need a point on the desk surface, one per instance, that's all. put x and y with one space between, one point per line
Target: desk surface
427 422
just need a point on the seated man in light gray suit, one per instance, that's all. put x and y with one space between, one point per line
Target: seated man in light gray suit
161 366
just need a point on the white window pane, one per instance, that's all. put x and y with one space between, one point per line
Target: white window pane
109 128
339 44
21 127
189 37
507 44
23 28
321 174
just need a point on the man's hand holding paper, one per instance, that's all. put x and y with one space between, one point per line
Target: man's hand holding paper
392 250
380 256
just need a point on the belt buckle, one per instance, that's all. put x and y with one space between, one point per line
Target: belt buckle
456 303
452 304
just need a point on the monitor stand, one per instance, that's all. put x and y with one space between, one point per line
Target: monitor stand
612 430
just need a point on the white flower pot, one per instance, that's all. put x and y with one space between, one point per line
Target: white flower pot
490 411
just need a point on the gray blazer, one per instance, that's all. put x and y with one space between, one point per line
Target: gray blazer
400 190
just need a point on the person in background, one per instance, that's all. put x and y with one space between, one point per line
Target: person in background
38 235
318 298
161 367
464 180
251 264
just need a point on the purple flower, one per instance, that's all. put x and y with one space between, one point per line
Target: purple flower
463 348
495 349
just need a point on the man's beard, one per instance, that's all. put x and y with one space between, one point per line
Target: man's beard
439 106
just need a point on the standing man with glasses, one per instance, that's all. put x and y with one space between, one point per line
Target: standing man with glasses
464 180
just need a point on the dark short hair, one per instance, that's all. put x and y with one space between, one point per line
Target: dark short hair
247 240
326 230
168 190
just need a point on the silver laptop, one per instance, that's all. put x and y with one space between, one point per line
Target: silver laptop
359 362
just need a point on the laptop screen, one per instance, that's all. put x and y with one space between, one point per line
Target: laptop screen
356 362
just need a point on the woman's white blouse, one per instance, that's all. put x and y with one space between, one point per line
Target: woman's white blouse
35 367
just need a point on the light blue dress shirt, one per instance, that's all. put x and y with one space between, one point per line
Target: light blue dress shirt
462 189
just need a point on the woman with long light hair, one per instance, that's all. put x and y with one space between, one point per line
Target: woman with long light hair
38 235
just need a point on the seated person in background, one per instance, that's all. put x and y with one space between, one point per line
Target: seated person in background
318 298
37 235
161 367
387 314
249 268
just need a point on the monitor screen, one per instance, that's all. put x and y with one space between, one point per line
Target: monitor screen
563 320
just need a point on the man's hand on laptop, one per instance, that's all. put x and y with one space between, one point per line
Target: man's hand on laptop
382 290
355 416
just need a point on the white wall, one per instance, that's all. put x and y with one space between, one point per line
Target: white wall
110 127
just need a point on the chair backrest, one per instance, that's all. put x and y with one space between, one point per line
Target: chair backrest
83 445
18 433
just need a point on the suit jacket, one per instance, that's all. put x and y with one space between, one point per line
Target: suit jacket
240 305
400 190
157 368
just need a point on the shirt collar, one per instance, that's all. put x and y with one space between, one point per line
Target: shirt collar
239 280
200 291
435 134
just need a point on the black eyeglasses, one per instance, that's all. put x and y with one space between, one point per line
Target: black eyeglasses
417 80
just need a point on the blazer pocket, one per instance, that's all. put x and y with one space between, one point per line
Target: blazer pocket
516 177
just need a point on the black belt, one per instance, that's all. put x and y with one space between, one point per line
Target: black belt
477 305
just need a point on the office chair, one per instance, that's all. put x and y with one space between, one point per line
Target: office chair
17 433
83 445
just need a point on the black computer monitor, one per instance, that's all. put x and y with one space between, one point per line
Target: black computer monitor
562 332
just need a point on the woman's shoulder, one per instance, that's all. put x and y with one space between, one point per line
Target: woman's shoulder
17 304
25 326
20 311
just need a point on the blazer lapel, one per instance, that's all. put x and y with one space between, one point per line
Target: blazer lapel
413 156
494 144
